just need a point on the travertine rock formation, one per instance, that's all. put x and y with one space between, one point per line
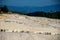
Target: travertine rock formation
12 24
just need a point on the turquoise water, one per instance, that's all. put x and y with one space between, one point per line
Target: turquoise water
32 5
28 9
34 9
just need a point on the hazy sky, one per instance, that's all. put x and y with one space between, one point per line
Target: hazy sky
30 2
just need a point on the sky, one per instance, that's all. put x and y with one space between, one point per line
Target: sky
30 2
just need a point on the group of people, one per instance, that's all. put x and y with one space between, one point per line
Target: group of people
46 33
2 30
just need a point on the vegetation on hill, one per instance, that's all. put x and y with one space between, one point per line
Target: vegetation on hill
0 9
55 15
4 9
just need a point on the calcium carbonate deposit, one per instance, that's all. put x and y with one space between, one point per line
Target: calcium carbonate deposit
22 27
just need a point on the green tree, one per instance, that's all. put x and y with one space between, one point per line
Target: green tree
5 9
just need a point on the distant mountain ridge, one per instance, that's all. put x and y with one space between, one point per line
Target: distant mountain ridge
51 8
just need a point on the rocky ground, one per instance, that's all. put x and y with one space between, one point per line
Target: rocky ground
27 36
17 23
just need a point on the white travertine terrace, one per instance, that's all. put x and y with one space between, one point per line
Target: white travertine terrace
15 22
22 27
